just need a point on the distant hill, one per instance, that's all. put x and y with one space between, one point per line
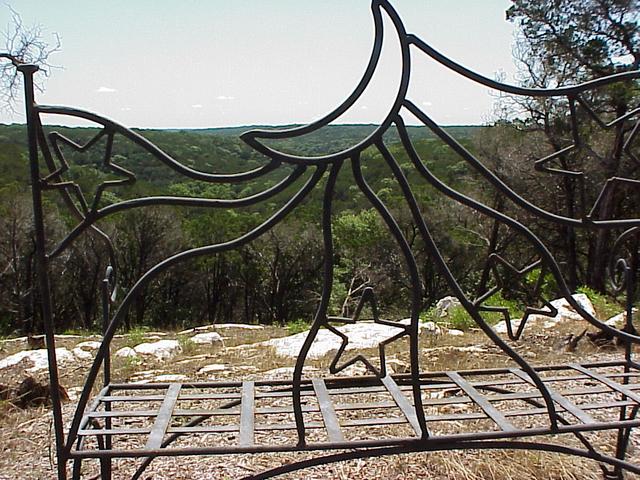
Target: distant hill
209 149
333 138
343 129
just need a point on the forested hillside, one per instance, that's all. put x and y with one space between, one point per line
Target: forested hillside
572 159
277 278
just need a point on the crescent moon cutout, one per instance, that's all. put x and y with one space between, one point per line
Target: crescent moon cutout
395 38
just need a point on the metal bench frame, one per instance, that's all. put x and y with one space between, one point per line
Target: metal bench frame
315 407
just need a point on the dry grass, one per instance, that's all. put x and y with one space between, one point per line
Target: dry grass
26 436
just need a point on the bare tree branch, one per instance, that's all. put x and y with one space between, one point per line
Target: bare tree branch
23 45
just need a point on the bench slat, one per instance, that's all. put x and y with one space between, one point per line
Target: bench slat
618 387
402 402
569 406
482 402
164 417
328 412
247 419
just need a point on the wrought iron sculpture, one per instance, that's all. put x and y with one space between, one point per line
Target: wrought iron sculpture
95 426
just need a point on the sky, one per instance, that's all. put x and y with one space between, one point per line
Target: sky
215 63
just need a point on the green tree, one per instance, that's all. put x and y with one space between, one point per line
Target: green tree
564 42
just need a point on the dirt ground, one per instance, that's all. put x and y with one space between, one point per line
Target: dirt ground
26 435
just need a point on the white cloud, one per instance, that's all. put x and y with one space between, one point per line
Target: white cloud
364 107
427 104
106 90
224 97
126 109
197 105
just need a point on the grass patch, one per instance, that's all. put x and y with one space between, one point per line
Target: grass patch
458 318
297 326
136 336
187 345
81 332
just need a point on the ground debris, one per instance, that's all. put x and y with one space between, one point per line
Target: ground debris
30 393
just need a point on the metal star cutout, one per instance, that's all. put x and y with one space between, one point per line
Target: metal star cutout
530 290
545 164
367 296
51 181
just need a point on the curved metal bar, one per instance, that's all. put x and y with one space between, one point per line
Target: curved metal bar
514 90
162 267
504 188
321 312
624 435
614 263
412 266
177 201
66 198
156 151
453 284
433 447
348 102
251 137
530 236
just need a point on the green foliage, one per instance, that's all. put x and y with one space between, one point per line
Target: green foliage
81 332
187 346
297 326
137 335
458 318
565 39
497 300
357 231
548 286
125 367
274 279
429 315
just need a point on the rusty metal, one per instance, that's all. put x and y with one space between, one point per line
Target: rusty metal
503 408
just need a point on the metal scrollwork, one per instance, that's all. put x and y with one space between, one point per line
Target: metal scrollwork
322 172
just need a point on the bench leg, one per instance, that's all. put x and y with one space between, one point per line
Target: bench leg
622 443
105 469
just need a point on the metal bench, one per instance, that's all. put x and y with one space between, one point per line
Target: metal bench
339 418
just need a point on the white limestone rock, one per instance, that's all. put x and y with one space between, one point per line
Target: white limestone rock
454 332
565 312
445 304
617 321
126 352
90 345
162 349
221 326
361 335
81 354
38 359
171 377
240 326
209 338
431 328
501 327
214 367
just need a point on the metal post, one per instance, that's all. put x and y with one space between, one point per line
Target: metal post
105 463
42 265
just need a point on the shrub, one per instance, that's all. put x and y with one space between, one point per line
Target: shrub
297 326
